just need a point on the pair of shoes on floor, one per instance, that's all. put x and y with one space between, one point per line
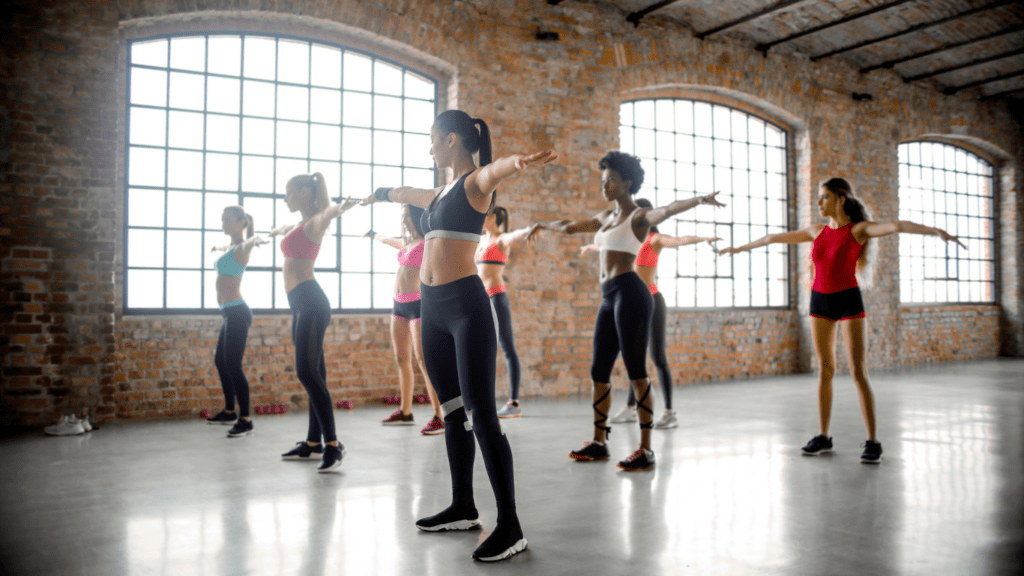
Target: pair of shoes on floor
504 542
433 427
69 426
330 455
223 417
399 419
511 410
628 414
639 459
242 427
822 444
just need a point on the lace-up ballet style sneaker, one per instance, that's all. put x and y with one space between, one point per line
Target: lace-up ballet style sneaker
510 410
506 541
667 420
434 427
451 519
627 414
241 428
818 445
65 427
222 417
639 460
332 458
872 452
399 419
303 451
590 451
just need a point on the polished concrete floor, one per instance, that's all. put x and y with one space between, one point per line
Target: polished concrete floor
731 493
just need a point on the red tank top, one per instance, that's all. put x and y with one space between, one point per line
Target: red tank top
835 253
647 256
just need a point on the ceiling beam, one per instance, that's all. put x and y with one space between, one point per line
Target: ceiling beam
768 45
635 17
967 65
947 47
748 18
955 89
912 29
1003 93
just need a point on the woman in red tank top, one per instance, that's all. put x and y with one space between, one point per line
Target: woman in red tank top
841 253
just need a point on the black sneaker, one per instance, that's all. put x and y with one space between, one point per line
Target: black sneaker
241 428
872 452
639 460
222 417
451 519
818 445
303 451
506 541
332 458
590 451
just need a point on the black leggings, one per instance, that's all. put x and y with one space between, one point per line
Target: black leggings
503 310
234 332
459 347
658 352
311 313
623 324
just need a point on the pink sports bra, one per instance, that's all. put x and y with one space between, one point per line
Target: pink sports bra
413 257
647 256
297 245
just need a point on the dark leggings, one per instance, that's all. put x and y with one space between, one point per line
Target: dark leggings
658 352
234 332
459 347
503 310
311 313
623 324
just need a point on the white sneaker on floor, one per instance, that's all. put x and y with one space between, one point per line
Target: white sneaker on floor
627 414
66 427
86 426
667 420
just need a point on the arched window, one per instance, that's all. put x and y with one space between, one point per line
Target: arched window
948 187
689 147
220 120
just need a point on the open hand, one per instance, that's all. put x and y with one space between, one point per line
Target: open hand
711 201
524 161
727 251
946 236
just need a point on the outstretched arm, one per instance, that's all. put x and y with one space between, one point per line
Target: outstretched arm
516 237
589 248
794 237
419 197
864 230
321 221
282 230
656 216
570 226
486 179
386 240
666 241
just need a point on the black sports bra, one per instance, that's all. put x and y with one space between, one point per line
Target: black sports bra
450 215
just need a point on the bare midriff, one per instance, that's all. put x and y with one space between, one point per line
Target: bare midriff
446 260
649 274
491 274
297 271
407 280
228 288
615 263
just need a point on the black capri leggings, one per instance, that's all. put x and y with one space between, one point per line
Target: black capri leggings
311 313
623 324
503 311
459 347
658 352
234 332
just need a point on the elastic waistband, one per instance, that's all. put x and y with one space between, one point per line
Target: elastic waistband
407 297
456 290
496 290
304 291
452 235
232 303
653 288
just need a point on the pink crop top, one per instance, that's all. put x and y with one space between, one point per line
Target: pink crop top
413 257
647 256
297 245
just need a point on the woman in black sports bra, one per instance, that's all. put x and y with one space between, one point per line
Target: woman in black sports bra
457 322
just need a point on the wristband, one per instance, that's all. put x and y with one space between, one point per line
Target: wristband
381 194
372 234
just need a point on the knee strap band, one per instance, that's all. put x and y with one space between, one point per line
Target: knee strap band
640 402
604 417
451 406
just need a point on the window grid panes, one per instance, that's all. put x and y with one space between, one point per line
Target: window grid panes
689 147
222 120
947 187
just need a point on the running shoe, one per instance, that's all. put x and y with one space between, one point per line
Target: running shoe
639 460
399 419
450 519
86 426
667 420
303 451
590 451
241 428
510 410
332 458
872 452
433 427
506 541
818 445
627 414
222 417
65 427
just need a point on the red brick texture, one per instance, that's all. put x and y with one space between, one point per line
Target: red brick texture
67 346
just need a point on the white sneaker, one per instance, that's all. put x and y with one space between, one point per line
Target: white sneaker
86 426
66 427
668 420
627 414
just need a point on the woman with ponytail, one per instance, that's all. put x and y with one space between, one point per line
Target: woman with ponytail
457 322
311 312
841 254
234 330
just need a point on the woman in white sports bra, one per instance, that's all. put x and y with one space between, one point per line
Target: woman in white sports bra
624 317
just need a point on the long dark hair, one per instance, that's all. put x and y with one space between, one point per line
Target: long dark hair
856 211
500 218
474 135
415 212
645 203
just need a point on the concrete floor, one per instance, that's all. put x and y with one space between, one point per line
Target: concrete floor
731 493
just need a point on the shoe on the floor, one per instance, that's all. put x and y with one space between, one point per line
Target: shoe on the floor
627 414
303 451
450 519
241 428
222 417
872 452
86 426
503 543
399 419
640 459
590 451
818 445
65 427
667 420
510 410
434 426
332 458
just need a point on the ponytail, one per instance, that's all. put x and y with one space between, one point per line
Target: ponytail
856 211
240 214
473 133
500 218
250 227
316 186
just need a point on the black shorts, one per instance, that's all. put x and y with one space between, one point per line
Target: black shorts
842 305
407 310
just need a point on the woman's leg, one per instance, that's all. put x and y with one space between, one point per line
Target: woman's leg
238 320
401 342
853 334
310 367
606 351
633 309
658 349
503 310
823 333
417 348
220 360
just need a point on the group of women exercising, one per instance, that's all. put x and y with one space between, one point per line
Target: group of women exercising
451 310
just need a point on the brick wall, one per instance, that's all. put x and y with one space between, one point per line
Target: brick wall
66 344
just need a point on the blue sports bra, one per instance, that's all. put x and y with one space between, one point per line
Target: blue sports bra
450 215
227 266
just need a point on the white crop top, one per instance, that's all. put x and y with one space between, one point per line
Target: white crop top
619 237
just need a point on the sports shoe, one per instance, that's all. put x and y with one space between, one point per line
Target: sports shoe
399 419
667 420
590 451
640 459
65 427
450 519
86 426
818 445
222 417
332 458
506 541
241 428
303 451
510 410
872 452
627 414
433 427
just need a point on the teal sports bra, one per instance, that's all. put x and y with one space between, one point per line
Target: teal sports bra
226 265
